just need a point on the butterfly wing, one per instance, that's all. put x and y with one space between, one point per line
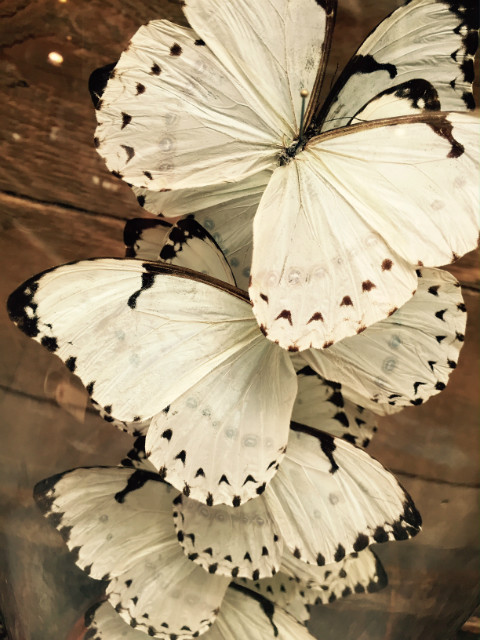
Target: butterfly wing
117 522
321 404
358 208
172 117
410 355
241 542
331 499
356 573
222 441
226 211
246 615
185 243
300 584
420 57
146 336
113 321
273 49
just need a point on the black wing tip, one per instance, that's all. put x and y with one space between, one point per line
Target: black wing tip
19 299
98 81
42 490
90 613
134 227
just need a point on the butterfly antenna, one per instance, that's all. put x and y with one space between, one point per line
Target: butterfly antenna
304 95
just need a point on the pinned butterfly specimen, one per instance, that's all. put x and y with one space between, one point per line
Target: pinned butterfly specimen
356 194
179 353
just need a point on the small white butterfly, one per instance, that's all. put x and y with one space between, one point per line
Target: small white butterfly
380 179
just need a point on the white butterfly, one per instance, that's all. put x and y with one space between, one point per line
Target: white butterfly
159 345
118 523
348 212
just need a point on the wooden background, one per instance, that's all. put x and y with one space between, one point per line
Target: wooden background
58 203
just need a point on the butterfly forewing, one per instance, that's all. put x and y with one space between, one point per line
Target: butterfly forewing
420 57
137 334
169 79
272 48
185 243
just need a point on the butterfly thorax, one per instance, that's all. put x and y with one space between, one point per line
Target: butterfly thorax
288 153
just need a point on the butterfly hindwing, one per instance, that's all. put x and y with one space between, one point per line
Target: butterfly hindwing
242 542
331 498
407 358
321 404
358 572
222 441
185 243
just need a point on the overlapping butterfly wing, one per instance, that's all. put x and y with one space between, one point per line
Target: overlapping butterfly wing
153 341
185 243
322 404
118 524
405 359
301 582
356 211
244 542
331 499
420 57
244 615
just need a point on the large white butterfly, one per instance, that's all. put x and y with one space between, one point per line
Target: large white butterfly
159 345
381 179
